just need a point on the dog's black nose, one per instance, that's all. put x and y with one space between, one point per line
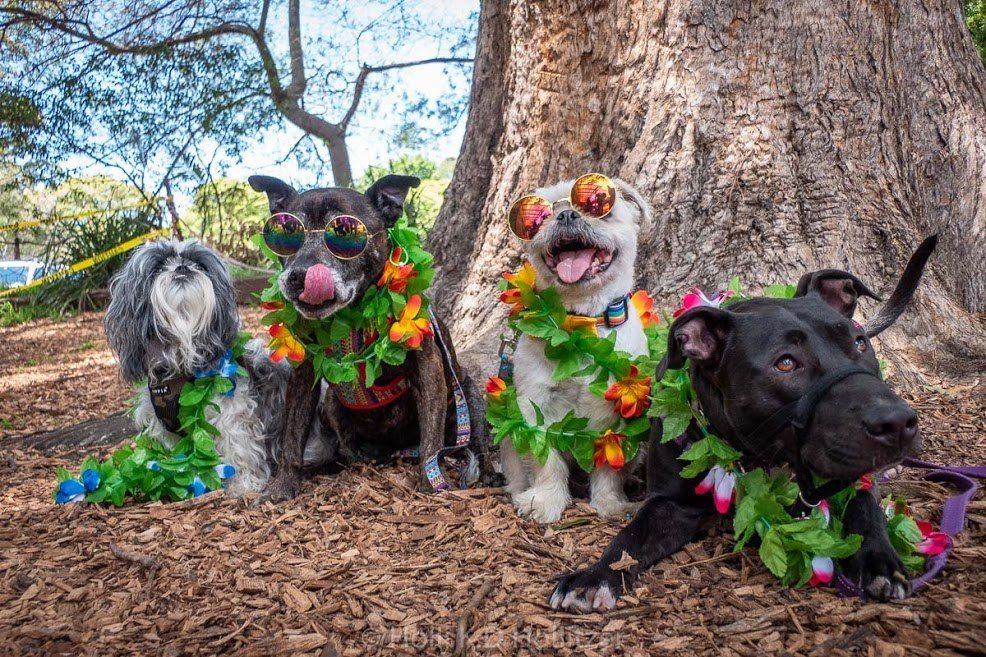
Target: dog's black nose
568 216
894 424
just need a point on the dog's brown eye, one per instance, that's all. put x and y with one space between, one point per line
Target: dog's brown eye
785 364
861 343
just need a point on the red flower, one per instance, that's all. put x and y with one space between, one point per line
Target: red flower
522 278
495 386
395 277
271 305
934 542
410 329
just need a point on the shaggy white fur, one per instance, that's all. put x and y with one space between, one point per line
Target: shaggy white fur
541 491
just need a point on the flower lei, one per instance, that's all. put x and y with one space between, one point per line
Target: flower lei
573 344
797 550
146 470
396 306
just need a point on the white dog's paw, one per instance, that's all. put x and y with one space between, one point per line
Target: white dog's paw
614 507
543 505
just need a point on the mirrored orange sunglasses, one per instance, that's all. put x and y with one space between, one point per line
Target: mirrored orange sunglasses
593 195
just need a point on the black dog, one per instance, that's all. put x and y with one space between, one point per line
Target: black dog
423 417
785 381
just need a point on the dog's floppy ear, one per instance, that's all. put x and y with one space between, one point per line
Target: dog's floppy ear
839 289
387 195
699 335
901 296
632 196
279 193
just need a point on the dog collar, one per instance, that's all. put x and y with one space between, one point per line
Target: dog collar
616 314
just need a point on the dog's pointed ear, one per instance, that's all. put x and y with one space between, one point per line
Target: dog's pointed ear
279 193
388 194
901 296
632 196
839 289
699 335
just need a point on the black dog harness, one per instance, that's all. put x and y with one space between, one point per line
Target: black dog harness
797 415
164 399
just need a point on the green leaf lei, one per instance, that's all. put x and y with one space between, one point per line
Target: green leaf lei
577 352
410 273
788 545
146 470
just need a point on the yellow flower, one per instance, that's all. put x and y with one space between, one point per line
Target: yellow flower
631 395
608 449
642 303
573 323
410 328
285 344
525 276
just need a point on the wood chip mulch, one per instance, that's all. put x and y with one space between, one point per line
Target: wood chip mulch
360 563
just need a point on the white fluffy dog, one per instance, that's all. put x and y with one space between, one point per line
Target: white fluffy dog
588 282
172 312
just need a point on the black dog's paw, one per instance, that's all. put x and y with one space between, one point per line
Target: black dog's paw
593 589
879 571
280 489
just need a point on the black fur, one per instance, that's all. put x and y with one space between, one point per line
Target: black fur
858 426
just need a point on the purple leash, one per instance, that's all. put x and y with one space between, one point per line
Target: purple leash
952 521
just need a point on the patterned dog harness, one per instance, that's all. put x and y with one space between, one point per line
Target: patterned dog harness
165 395
356 395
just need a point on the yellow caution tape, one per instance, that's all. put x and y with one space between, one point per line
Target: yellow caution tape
89 262
21 225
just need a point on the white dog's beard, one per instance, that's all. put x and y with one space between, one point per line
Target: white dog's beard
182 313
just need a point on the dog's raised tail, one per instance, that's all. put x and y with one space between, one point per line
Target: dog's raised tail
901 296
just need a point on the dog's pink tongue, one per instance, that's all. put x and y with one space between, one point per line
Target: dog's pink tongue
572 265
319 287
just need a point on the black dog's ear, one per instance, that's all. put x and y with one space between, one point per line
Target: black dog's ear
901 296
279 193
387 195
699 335
839 289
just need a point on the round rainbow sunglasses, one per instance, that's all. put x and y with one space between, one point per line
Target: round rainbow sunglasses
344 235
593 195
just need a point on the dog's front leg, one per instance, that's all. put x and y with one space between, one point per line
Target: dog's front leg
301 402
661 527
431 399
876 565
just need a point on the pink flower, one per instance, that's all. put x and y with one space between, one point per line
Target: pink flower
697 298
822 570
826 512
722 483
865 482
934 542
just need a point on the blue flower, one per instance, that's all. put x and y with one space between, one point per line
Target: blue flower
153 466
225 470
70 490
197 487
73 490
226 367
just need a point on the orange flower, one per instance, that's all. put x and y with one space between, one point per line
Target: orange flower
495 386
285 344
642 303
410 329
632 394
609 450
524 276
394 276
271 305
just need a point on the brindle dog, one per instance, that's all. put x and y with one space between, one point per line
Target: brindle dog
319 284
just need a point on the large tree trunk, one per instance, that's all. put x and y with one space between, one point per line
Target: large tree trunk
771 138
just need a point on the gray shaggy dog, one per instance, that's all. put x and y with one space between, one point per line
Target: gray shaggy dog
172 312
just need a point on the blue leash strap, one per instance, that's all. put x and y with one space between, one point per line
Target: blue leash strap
463 430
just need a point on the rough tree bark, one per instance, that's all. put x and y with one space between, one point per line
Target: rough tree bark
770 137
